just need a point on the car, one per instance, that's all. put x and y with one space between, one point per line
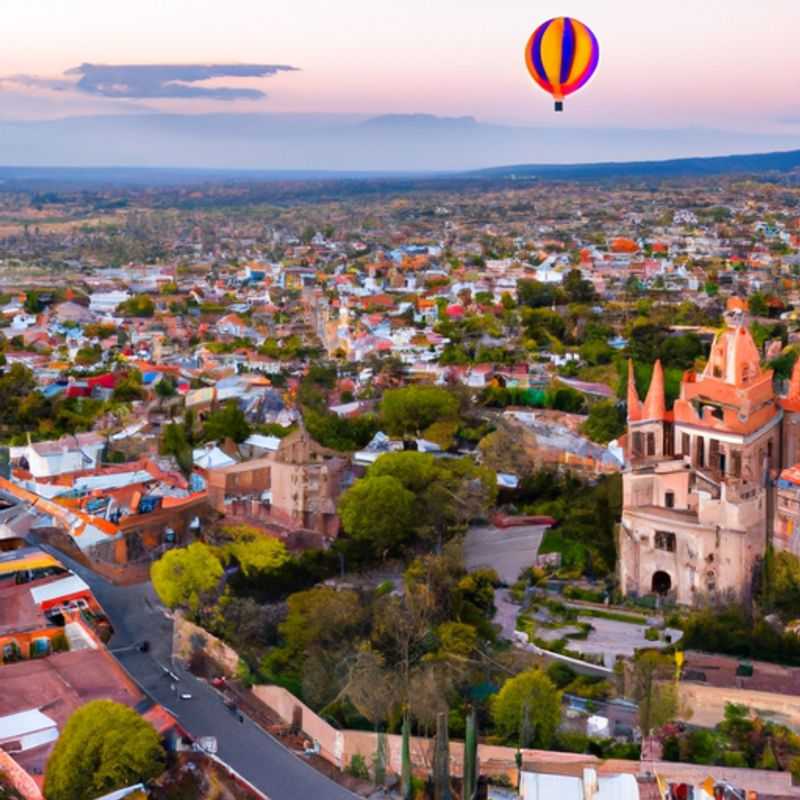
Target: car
186 696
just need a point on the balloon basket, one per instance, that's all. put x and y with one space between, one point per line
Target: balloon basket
559 105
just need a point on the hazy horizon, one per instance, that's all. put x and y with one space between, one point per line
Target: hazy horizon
677 80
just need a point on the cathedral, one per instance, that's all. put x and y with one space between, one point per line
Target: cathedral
702 479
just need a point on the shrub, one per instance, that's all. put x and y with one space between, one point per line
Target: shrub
358 767
652 634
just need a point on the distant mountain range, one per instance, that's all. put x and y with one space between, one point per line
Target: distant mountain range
285 146
754 163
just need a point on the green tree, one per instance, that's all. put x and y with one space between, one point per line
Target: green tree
379 510
166 387
597 351
104 746
33 305
255 552
129 387
411 410
527 709
140 305
227 422
654 689
320 617
184 577
174 442
605 422
785 589
578 289
757 304
535 294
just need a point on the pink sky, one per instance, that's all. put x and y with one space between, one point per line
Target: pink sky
731 64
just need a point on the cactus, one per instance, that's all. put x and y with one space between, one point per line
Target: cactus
441 760
470 783
405 769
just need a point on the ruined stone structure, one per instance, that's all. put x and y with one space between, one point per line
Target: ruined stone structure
698 491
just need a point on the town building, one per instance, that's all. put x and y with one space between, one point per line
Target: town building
698 494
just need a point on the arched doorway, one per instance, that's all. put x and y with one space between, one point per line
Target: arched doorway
662 582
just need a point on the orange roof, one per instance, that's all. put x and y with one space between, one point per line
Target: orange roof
736 304
623 245
655 403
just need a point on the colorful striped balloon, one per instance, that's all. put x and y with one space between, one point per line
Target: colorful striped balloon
561 55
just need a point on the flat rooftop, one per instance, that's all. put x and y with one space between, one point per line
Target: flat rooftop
720 671
57 686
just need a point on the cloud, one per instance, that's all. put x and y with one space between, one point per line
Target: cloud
151 81
171 80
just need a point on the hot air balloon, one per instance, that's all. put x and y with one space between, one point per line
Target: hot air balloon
561 55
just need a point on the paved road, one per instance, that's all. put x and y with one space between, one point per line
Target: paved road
136 615
507 550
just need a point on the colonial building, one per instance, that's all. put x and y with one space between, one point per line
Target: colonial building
698 491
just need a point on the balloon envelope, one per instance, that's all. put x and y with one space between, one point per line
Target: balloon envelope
562 55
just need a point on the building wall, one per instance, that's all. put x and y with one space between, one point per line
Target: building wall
708 704
24 640
700 560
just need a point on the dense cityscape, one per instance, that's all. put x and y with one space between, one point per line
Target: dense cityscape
328 489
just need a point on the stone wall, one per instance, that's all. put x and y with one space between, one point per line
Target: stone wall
339 747
708 704
188 637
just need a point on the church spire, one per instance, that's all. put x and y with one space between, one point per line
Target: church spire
634 403
655 406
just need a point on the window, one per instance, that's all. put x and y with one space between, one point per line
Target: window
686 447
651 444
736 464
669 499
669 440
701 451
665 541
637 443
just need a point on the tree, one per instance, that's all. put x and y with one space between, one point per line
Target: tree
371 686
320 617
104 746
184 577
33 305
227 422
528 709
606 422
597 351
140 305
757 305
411 410
129 387
255 552
535 294
447 494
501 451
175 443
379 510
578 289
165 388
654 690
785 579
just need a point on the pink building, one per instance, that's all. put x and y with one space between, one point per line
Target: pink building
698 494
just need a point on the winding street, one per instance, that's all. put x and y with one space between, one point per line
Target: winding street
137 615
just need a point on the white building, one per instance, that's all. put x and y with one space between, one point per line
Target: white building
107 302
70 453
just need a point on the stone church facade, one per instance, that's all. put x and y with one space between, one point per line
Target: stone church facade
699 486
